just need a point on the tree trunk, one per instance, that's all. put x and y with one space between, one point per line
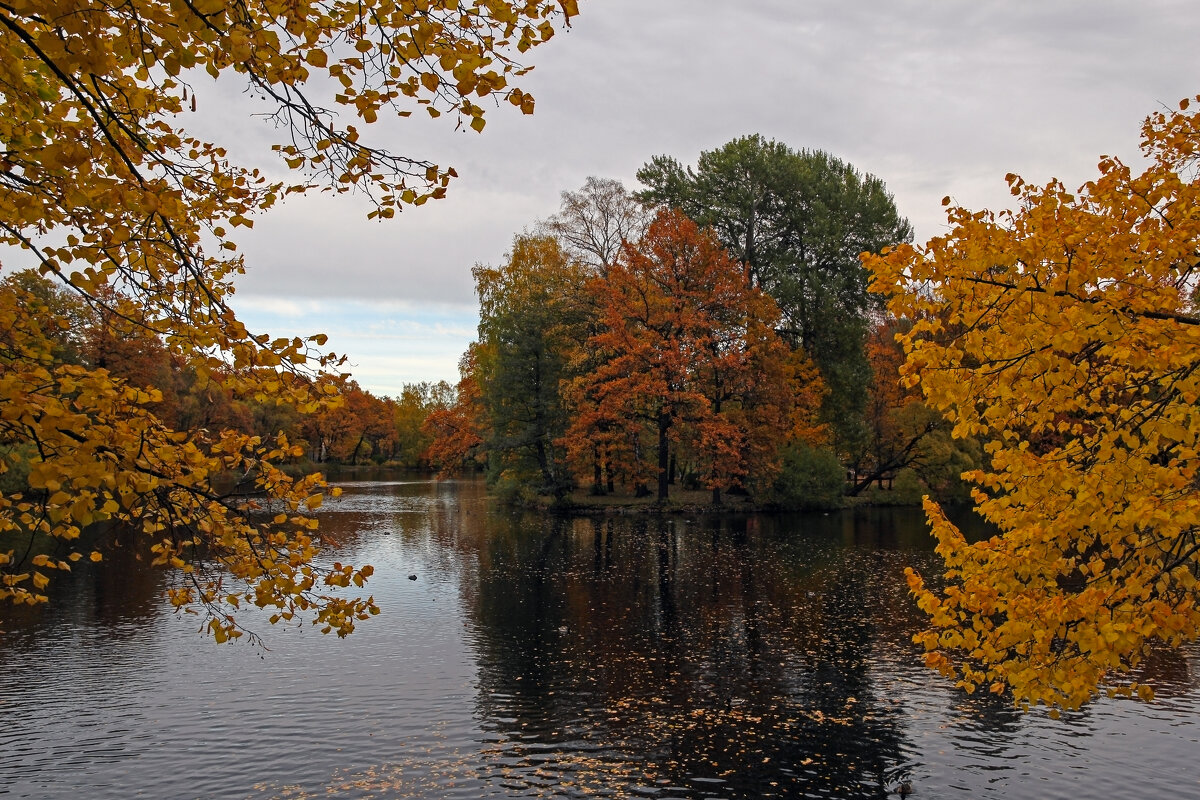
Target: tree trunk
543 461
357 447
664 453
597 477
549 479
716 492
751 251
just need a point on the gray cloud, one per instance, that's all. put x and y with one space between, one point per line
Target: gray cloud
937 97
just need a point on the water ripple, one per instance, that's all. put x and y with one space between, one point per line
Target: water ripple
567 658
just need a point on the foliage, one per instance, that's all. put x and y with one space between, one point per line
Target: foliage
798 220
457 431
409 412
685 353
903 434
942 459
116 201
1065 335
811 479
362 425
101 455
531 320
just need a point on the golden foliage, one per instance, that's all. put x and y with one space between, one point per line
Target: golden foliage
112 197
1065 335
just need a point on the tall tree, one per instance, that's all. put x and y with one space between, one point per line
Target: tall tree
685 350
110 195
530 318
798 220
1066 335
594 223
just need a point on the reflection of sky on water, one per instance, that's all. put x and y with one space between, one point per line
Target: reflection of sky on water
540 656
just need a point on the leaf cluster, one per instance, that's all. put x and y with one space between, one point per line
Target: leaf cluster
1064 335
103 186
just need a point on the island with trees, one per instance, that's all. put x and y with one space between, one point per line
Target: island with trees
713 332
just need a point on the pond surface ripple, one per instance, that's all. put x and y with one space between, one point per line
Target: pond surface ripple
677 657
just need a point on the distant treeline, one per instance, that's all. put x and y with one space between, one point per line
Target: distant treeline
362 429
714 331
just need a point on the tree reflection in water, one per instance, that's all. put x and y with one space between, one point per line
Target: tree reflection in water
696 657
535 656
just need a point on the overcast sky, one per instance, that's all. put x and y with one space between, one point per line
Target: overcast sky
935 97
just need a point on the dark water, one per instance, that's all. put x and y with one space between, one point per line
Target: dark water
539 657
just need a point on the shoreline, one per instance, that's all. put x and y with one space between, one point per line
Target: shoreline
686 502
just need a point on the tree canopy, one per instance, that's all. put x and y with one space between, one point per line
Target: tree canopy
1066 335
686 352
798 220
101 183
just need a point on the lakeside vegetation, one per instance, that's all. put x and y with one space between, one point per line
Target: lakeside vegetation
714 331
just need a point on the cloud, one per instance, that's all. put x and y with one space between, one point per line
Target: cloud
387 343
937 98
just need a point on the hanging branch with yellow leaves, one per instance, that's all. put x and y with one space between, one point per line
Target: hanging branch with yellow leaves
105 189
1066 335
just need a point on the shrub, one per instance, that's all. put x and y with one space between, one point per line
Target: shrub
811 479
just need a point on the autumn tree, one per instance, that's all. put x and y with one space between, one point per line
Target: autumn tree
686 351
1065 335
593 223
592 226
798 221
104 188
530 319
361 426
410 410
887 447
69 341
902 433
457 430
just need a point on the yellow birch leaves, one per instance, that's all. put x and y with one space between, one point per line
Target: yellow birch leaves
108 195
1065 334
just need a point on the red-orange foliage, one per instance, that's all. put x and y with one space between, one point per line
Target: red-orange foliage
898 423
886 394
685 353
458 430
358 427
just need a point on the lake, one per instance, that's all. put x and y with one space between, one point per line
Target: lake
740 656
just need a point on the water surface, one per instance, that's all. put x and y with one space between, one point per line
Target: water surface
679 657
